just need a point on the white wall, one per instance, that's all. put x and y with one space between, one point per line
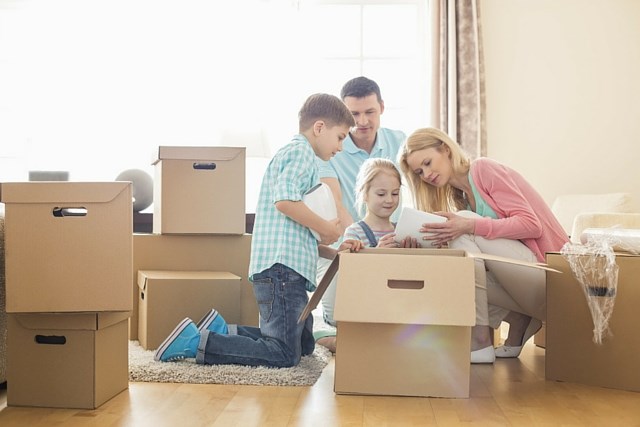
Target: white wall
563 92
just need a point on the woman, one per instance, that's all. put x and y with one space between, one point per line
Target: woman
507 217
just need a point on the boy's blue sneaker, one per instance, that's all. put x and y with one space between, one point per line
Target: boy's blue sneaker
180 344
214 322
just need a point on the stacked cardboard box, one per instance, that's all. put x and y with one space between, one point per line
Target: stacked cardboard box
68 264
198 249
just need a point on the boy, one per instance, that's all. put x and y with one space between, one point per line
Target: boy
284 254
367 140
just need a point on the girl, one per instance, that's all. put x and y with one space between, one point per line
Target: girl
377 197
508 217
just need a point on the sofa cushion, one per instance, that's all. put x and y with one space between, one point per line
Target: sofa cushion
567 207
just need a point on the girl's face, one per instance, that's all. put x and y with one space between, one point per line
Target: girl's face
432 165
383 196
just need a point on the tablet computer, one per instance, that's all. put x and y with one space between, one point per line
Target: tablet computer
410 223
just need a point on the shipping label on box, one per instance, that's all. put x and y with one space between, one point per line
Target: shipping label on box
66 360
199 190
167 297
68 246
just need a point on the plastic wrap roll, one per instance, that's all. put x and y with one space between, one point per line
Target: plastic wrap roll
620 239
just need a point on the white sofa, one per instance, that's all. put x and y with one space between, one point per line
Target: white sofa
577 212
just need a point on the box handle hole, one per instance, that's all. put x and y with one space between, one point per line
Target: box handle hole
51 339
204 166
62 212
405 284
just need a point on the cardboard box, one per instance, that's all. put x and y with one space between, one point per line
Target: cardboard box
404 320
215 200
571 354
193 253
68 246
167 297
66 360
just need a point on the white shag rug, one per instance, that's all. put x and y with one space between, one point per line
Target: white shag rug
142 368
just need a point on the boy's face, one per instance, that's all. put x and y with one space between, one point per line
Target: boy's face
328 139
367 113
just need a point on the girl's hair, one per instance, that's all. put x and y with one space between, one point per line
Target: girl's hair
425 196
368 171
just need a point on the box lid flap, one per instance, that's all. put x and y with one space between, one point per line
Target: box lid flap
63 192
71 321
198 153
144 276
333 268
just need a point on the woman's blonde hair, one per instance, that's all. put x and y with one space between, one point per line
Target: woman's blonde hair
425 196
368 171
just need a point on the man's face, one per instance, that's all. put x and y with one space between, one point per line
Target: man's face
367 113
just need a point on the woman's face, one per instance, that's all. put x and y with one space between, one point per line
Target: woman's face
432 165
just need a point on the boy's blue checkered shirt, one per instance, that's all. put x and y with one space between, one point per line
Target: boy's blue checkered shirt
276 237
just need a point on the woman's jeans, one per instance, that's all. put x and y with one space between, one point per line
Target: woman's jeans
280 341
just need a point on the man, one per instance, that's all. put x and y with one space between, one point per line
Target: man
366 140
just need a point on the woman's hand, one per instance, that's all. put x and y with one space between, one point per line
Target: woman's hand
441 233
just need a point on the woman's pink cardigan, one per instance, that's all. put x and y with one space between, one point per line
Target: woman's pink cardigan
522 213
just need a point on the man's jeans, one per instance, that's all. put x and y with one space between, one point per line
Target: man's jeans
280 341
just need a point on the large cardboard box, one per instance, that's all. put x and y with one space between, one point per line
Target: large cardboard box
167 297
66 360
199 190
68 246
571 355
193 253
404 322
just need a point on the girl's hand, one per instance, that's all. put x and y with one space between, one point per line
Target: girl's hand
443 232
351 244
410 242
387 241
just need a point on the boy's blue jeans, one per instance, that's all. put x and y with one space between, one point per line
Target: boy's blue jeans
279 341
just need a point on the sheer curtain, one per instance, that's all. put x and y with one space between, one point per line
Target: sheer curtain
458 102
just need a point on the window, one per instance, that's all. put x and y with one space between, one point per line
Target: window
94 86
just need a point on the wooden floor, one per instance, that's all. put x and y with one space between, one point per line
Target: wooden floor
510 393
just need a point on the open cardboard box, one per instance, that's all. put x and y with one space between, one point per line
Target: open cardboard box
571 354
404 319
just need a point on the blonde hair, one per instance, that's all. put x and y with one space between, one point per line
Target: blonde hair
368 171
425 196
